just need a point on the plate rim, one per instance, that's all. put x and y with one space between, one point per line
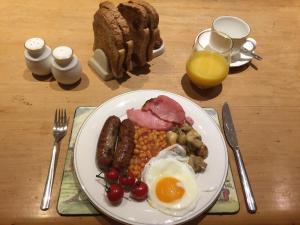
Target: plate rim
122 219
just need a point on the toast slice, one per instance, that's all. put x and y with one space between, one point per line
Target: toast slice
138 8
137 20
153 17
153 20
111 34
127 42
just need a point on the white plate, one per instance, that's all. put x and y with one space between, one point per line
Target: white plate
140 212
239 59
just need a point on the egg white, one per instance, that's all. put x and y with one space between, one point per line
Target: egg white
168 166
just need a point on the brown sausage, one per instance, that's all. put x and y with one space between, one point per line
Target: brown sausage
125 145
107 142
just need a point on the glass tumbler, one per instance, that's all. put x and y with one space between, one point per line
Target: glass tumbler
208 64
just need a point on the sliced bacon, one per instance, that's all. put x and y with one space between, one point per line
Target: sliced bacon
148 119
166 109
189 120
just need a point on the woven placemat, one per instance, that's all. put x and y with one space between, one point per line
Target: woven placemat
73 201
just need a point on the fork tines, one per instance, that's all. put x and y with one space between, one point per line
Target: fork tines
60 118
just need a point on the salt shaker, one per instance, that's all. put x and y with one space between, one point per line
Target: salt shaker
65 67
38 56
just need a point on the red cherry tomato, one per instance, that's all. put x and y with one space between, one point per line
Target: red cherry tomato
115 193
139 191
112 176
127 180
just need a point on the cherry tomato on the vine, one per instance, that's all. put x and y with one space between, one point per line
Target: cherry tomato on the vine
115 193
139 191
112 176
127 180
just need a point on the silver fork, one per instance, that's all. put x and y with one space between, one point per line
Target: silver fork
59 131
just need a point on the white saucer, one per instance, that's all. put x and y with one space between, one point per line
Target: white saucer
243 58
238 59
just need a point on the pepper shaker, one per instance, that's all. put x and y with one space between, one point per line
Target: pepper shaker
38 56
65 67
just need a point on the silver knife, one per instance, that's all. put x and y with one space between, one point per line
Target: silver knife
232 141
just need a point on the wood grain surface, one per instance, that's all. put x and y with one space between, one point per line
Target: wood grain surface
265 102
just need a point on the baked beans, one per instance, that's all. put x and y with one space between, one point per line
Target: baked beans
148 143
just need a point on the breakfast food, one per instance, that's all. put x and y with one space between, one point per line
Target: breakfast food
172 183
112 176
127 34
137 19
148 119
107 142
159 123
139 191
148 143
153 20
127 180
116 184
150 161
143 20
125 146
116 143
115 194
166 109
160 113
192 142
111 34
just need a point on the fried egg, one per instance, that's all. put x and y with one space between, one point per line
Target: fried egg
172 184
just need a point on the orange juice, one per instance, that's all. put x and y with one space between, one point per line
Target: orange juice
207 69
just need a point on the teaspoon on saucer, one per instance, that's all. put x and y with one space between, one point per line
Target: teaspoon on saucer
247 51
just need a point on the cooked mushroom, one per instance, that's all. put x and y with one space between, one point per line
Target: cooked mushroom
197 163
186 127
203 151
193 141
172 137
192 134
197 143
181 138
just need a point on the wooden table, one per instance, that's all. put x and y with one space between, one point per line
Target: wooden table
265 102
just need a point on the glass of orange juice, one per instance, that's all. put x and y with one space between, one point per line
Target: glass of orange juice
209 62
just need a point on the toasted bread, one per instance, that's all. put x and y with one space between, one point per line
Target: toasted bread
153 20
137 20
111 34
138 9
127 34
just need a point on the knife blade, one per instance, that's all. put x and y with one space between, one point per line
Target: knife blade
231 138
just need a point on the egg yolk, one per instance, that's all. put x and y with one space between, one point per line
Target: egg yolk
169 189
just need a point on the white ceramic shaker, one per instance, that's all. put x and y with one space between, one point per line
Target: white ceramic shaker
38 56
65 67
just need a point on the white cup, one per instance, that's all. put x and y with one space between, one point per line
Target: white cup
237 29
